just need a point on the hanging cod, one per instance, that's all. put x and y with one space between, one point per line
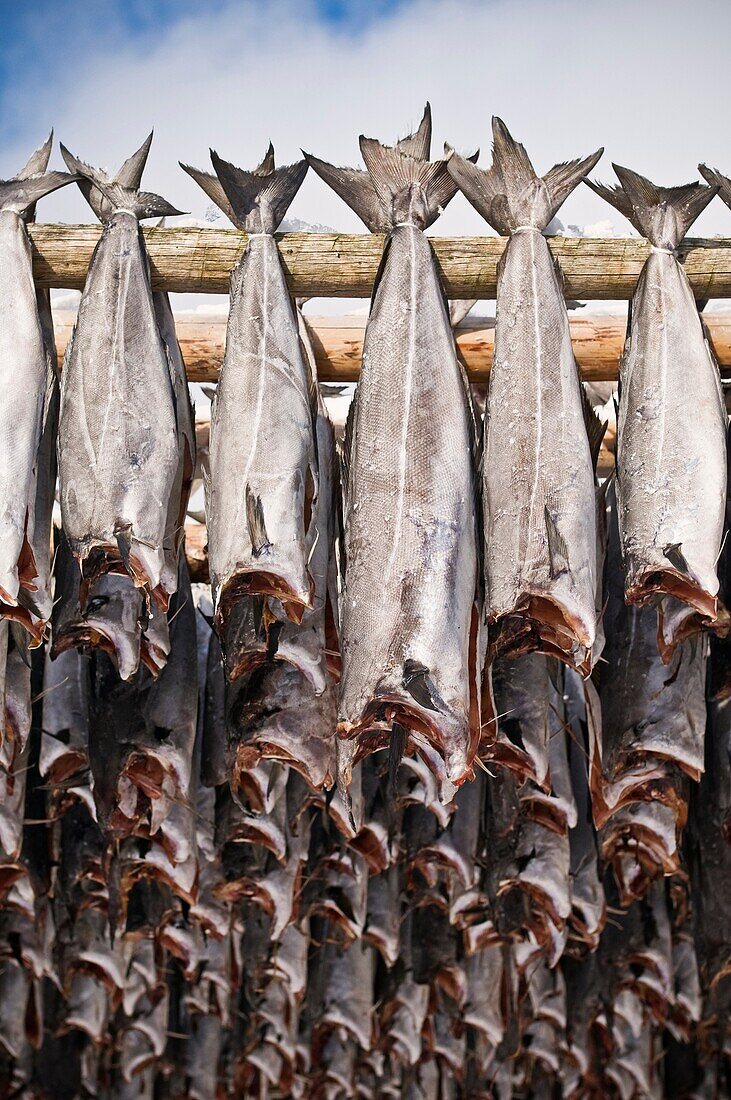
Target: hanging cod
538 476
118 435
28 412
671 470
263 465
409 620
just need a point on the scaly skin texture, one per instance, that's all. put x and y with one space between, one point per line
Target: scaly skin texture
23 379
410 536
537 468
118 445
262 455
672 469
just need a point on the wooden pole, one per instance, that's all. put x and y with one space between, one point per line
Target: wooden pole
597 338
344 266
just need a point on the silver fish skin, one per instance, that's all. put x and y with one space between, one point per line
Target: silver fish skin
408 616
118 439
263 470
538 477
671 485
25 407
185 415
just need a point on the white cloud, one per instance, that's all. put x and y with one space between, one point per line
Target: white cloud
649 80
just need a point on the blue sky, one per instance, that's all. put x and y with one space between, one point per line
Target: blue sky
43 40
650 81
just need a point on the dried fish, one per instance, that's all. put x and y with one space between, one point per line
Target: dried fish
671 486
28 413
538 479
409 617
118 462
263 469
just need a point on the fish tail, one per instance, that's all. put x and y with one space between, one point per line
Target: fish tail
106 194
409 190
256 201
510 194
32 182
661 214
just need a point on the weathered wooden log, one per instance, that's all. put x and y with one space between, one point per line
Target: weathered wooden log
344 265
597 338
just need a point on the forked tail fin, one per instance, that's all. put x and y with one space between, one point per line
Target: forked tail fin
22 192
399 185
510 193
661 214
254 201
106 194
718 180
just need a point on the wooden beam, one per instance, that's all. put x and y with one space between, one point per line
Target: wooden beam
344 266
597 338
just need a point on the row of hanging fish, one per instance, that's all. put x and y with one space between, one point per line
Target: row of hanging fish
460 541
363 821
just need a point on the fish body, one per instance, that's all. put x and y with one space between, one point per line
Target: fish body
408 618
650 712
118 440
29 404
262 457
538 475
185 419
263 471
671 487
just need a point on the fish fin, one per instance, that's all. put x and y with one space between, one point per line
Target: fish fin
418 144
266 165
396 749
212 187
255 521
37 162
481 188
344 754
674 553
510 193
563 178
355 188
409 190
123 538
106 195
22 194
595 428
557 549
130 174
261 198
417 681
661 214
614 195
717 179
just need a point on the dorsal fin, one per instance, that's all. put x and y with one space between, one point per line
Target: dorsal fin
259 199
510 193
661 214
106 194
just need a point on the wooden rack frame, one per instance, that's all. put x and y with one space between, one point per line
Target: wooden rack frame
343 265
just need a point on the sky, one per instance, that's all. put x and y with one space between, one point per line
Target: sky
648 79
